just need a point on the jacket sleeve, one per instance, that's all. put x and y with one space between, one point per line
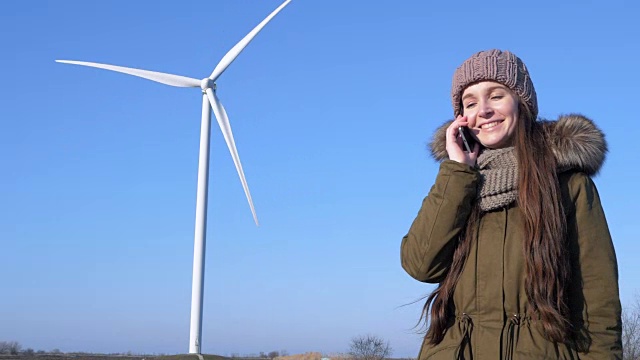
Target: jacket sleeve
427 249
595 301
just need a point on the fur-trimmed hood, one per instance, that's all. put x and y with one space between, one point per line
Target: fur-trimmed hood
578 143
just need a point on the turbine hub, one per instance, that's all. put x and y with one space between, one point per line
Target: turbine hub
207 83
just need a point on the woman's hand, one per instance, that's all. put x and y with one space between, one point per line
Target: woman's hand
455 145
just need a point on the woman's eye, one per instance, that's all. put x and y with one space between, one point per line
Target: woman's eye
469 105
497 97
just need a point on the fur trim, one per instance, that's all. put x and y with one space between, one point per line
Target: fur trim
577 143
438 143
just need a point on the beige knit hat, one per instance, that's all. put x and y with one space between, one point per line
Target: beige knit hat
494 65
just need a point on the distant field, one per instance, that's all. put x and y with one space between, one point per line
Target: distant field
110 357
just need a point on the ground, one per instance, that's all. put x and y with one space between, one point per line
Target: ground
108 357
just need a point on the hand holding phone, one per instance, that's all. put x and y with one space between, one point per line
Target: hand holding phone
460 144
468 140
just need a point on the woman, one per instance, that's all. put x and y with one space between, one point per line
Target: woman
513 231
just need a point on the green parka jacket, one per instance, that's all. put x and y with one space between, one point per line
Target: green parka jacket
493 319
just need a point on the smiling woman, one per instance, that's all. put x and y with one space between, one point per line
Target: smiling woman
513 231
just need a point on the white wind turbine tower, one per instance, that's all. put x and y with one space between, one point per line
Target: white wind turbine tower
209 101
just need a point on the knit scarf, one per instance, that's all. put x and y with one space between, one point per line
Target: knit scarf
498 178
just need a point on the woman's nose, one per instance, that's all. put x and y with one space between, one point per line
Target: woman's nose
485 111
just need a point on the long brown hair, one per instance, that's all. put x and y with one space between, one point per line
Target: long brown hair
545 249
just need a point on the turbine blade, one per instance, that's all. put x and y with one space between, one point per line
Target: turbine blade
169 79
237 49
225 126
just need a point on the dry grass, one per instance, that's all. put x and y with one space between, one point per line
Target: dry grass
305 356
340 357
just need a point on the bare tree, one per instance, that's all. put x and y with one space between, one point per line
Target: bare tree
273 354
14 348
631 331
10 347
369 347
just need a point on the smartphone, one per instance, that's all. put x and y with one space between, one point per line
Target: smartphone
468 140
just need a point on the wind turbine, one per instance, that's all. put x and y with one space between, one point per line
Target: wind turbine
209 101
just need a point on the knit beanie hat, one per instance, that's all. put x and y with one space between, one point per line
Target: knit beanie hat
494 65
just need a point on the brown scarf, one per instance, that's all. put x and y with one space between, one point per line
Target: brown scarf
498 178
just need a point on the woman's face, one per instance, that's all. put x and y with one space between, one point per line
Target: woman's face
492 112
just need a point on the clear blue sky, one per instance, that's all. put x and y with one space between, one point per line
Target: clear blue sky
331 107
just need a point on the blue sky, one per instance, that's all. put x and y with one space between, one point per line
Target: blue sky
331 107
